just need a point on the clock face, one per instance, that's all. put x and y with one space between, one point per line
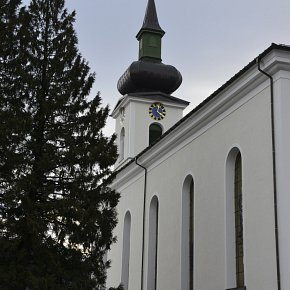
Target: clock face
157 111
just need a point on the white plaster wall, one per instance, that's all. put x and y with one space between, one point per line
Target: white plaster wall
247 127
132 200
137 122
142 122
282 132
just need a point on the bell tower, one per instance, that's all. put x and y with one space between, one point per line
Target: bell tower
146 109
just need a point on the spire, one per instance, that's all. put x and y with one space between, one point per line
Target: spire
151 20
150 35
149 74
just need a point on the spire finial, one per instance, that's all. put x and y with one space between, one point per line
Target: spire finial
151 19
150 22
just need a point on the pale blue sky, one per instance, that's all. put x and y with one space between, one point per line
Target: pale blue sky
207 41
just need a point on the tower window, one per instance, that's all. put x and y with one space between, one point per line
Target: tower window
155 131
153 41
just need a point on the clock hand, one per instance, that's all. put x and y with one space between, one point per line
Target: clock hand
160 110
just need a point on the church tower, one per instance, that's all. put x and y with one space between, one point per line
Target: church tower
146 109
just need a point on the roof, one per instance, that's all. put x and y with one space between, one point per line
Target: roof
161 97
151 20
146 76
272 47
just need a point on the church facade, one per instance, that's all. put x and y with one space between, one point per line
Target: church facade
204 198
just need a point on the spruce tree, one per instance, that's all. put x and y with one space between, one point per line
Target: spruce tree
57 212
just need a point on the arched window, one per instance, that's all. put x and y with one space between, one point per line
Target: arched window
239 234
234 223
187 234
122 145
126 250
155 131
152 245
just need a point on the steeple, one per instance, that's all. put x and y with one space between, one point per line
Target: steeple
151 20
149 74
150 35
146 109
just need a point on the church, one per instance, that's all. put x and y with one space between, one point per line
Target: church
205 197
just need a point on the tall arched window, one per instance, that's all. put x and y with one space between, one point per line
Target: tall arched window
122 144
152 245
239 234
126 250
155 131
234 221
187 234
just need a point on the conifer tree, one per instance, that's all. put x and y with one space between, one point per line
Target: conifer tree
57 212
9 26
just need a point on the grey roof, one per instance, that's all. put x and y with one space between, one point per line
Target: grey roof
151 20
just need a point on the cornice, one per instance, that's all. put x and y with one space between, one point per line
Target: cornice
125 100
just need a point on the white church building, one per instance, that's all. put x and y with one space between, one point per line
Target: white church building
205 198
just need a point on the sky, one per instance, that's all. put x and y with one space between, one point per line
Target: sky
208 41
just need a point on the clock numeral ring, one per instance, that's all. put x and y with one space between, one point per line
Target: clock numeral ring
157 111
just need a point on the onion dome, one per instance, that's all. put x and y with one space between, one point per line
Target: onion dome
145 76
149 73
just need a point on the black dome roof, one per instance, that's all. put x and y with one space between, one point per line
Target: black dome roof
148 76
